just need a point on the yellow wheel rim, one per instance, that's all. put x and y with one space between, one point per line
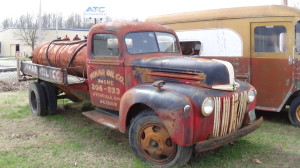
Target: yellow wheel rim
298 113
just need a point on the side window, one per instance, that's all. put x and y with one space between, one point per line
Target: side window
167 42
298 37
270 39
105 45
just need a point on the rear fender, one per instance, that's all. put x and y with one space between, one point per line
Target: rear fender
167 104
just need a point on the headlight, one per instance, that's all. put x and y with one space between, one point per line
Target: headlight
251 95
207 106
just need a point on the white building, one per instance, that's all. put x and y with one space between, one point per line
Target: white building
9 45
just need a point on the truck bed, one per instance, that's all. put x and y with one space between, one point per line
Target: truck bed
50 74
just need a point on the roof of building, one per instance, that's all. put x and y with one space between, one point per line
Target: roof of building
227 13
67 29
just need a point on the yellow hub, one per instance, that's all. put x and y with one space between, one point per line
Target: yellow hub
298 113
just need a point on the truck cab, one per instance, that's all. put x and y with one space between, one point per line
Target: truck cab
139 83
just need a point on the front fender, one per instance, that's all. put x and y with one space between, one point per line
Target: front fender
167 104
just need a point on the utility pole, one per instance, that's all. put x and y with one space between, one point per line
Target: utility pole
56 24
40 23
284 2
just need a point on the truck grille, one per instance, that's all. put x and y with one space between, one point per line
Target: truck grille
229 113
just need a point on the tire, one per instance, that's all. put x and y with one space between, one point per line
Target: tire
51 97
151 142
294 112
37 99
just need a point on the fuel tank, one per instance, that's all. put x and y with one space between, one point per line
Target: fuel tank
63 54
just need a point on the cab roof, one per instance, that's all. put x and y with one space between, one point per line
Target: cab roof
227 13
124 27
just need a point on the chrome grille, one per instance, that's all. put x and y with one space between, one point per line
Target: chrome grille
229 113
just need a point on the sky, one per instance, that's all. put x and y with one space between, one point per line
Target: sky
121 9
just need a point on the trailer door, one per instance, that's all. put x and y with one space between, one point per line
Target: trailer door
272 63
105 69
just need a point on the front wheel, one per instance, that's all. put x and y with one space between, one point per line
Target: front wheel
151 142
294 113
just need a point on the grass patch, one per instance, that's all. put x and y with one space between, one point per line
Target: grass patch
69 139
14 105
58 118
10 159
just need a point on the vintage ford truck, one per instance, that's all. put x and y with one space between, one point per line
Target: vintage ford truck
139 83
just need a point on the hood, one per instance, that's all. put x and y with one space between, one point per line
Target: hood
216 73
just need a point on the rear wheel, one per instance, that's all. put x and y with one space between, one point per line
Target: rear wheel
37 99
151 142
294 113
51 97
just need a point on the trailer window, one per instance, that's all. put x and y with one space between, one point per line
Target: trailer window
270 39
105 45
190 47
298 37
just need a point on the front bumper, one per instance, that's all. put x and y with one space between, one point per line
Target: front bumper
220 141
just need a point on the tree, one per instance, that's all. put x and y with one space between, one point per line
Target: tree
74 21
295 3
49 20
27 25
7 23
27 30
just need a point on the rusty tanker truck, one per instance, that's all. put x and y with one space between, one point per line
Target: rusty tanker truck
139 83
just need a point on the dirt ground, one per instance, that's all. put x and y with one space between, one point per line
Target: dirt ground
9 82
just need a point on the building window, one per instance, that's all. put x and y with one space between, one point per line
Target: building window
17 47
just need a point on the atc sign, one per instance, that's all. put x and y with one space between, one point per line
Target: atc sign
95 12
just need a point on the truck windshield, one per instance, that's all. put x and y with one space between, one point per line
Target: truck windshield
297 48
150 42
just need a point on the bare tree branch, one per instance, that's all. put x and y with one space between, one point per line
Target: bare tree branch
7 23
27 27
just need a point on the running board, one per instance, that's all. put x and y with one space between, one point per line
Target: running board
106 119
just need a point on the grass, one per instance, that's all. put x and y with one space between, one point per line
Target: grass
68 139
14 105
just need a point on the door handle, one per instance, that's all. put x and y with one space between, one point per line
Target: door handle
291 60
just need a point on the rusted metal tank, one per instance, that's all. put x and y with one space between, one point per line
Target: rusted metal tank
63 54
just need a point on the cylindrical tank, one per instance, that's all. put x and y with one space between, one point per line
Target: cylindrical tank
63 54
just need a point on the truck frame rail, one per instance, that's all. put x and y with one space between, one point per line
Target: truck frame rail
47 73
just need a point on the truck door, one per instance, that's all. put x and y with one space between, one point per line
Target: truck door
272 63
105 69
